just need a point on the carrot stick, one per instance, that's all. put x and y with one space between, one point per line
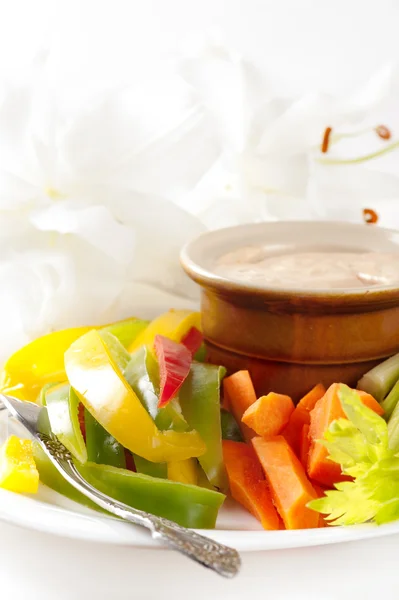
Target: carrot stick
239 394
304 445
301 416
247 482
327 410
291 489
269 415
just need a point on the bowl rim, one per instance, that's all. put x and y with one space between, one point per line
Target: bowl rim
208 279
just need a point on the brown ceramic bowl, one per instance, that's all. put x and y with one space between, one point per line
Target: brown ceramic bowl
291 339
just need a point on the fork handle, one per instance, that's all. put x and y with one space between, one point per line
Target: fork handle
223 560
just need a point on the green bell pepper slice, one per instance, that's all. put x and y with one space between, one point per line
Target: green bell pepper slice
62 410
118 352
142 374
126 331
230 429
102 448
200 402
147 467
188 505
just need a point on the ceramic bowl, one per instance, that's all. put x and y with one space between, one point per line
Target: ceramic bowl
291 339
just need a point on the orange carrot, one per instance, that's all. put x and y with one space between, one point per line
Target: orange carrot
369 401
301 416
269 415
327 410
239 394
291 489
247 482
304 445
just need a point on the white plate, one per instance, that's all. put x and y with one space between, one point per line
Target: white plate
50 512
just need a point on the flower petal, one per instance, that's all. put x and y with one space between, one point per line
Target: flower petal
94 224
161 229
342 192
155 138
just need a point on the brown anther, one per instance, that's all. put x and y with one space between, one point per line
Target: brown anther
370 216
326 140
383 132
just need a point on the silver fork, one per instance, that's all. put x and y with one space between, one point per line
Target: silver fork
223 560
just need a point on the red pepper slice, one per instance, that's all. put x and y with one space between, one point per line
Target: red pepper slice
193 340
174 365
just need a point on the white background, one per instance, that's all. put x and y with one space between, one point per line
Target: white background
331 45
300 44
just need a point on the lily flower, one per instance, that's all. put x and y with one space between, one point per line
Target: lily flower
86 220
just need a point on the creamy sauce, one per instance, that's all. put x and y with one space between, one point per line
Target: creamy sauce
311 269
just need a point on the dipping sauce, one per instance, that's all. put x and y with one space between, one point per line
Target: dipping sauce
310 269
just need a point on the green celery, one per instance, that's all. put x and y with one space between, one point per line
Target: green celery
391 401
380 380
360 444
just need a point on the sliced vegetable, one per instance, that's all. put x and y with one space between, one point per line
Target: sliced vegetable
393 429
150 468
184 471
247 482
18 471
193 340
100 386
38 363
380 380
391 401
200 403
42 361
102 448
200 355
126 331
304 446
269 414
174 325
292 491
230 429
62 409
359 444
301 416
188 505
54 480
174 365
327 410
239 394
142 373
41 399
119 354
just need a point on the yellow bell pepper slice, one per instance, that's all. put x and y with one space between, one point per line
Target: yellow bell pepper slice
183 471
106 394
174 325
38 363
42 361
18 472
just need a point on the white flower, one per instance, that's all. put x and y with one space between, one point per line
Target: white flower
269 168
86 218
